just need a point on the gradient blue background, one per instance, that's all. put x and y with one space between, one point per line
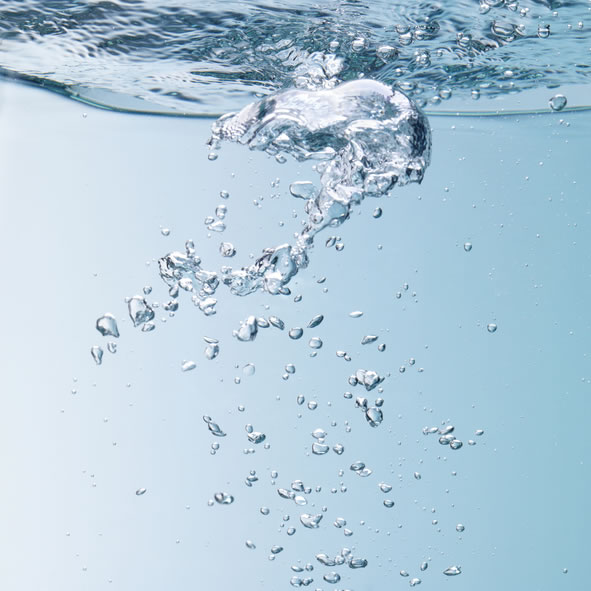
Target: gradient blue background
83 201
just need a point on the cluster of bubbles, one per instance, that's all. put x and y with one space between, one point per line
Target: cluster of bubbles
365 139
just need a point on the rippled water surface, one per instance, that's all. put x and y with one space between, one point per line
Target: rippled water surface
212 57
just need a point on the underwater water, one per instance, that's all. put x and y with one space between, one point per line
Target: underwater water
352 357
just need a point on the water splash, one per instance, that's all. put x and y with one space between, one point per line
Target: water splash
365 137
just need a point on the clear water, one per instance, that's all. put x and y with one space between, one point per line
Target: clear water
460 301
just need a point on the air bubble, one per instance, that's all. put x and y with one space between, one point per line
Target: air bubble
97 354
223 498
315 321
107 325
302 189
227 249
212 351
315 343
139 311
295 333
332 577
311 521
320 449
557 102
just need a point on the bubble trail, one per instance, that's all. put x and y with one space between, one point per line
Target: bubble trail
367 139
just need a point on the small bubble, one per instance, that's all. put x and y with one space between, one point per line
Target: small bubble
543 31
140 491
460 528
332 577
377 212
250 544
557 102
227 249
492 327
249 369
212 351
356 314
389 503
302 189
223 498
358 44
311 521
414 582
256 437
452 571
296 333
139 311
315 343
320 449
165 231
315 321
467 246
188 365
107 325
97 354
276 322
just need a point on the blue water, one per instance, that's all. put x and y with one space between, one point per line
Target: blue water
87 198
212 57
